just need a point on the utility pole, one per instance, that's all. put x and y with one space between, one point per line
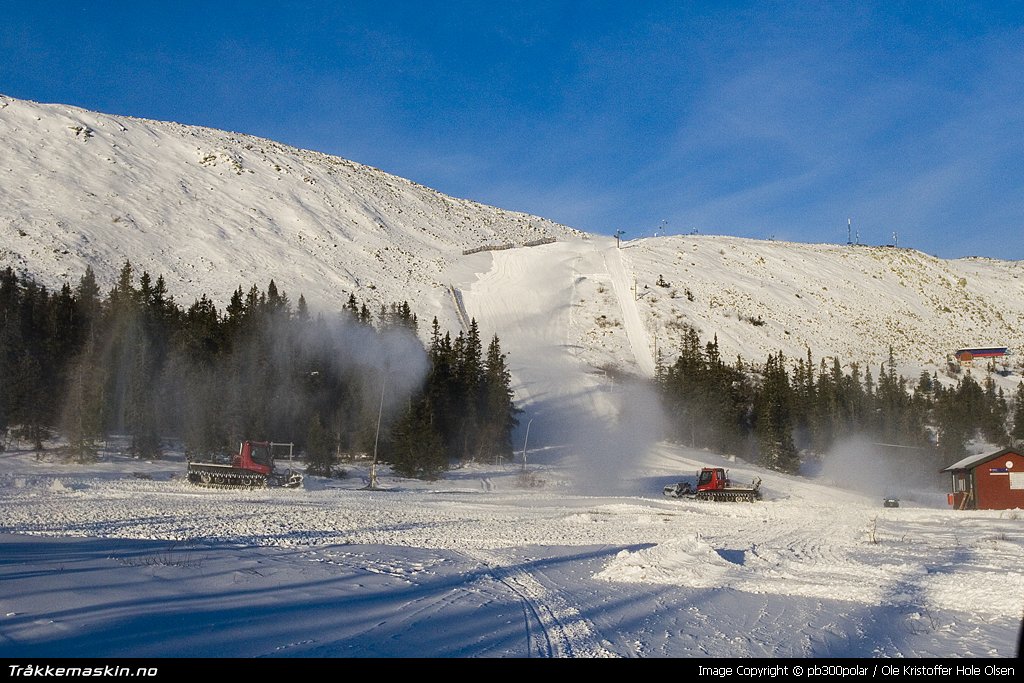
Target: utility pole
376 438
525 441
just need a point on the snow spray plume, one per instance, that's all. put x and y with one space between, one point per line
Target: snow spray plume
882 470
606 431
611 451
115 384
392 361
131 380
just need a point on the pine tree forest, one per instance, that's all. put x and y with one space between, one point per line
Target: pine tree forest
81 366
783 411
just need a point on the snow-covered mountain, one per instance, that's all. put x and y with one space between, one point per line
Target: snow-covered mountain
212 210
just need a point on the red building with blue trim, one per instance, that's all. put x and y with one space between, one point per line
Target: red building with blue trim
967 355
993 481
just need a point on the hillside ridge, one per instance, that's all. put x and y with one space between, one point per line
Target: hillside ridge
212 211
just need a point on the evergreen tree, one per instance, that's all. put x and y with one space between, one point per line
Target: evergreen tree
958 413
870 405
809 417
135 362
498 412
87 300
64 332
235 313
440 387
992 420
28 365
683 387
723 390
774 418
82 417
29 399
924 383
10 346
319 449
1017 431
468 392
416 448
853 394
124 295
889 398
834 408
710 403
277 302
352 306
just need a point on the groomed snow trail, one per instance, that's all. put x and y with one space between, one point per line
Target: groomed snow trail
526 298
625 291
529 298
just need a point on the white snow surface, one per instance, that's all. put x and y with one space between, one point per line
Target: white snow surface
571 551
124 558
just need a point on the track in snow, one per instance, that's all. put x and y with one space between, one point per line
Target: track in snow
555 628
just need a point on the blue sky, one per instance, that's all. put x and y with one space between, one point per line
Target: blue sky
763 119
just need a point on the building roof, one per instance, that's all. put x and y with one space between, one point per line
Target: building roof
986 352
975 460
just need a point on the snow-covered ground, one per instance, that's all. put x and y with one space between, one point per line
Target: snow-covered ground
126 559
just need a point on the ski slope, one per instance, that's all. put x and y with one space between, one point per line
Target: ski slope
536 299
528 295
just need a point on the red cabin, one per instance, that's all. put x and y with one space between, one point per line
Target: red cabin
993 481
969 355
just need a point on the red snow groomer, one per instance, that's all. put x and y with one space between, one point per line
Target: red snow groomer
713 483
254 466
